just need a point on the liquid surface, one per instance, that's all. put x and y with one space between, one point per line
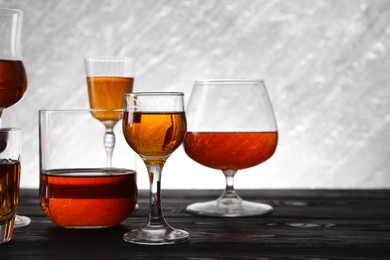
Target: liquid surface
88 197
230 150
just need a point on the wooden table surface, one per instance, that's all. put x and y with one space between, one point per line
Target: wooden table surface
305 224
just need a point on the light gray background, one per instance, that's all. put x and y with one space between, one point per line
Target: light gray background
326 65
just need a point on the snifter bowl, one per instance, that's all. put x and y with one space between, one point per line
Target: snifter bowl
77 189
231 127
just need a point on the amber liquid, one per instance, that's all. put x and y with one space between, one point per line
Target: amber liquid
108 93
13 82
230 150
88 198
154 136
9 189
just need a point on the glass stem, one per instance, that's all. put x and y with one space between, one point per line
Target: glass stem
109 143
156 216
229 193
1 116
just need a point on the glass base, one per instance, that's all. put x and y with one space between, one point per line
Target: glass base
21 221
226 207
6 231
156 236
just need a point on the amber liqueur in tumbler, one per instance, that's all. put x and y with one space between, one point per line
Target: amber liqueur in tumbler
88 198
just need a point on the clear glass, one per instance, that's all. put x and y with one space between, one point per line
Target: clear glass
231 126
108 79
154 125
13 77
77 190
10 151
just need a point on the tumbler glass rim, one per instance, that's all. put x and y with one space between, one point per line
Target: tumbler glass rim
109 58
154 94
10 129
75 110
229 81
9 11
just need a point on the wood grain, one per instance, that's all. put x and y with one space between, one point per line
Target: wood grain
316 224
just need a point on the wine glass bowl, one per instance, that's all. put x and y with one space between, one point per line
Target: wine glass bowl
13 77
231 126
108 79
154 126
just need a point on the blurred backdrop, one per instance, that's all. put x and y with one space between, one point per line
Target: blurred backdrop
326 64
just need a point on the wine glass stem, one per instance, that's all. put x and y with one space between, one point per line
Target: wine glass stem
156 217
230 192
1 116
109 143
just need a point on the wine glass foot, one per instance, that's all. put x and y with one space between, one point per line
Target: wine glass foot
21 221
229 208
156 236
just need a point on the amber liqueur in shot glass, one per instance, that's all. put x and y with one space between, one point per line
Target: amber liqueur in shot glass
10 168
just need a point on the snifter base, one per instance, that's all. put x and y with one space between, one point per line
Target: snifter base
227 207
156 236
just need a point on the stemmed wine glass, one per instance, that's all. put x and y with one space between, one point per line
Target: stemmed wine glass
13 77
231 126
108 79
154 125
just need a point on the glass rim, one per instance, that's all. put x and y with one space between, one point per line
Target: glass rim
230 81
132 94
109 58
10 11
10 129
80 110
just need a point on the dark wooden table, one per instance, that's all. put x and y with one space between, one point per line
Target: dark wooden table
305 224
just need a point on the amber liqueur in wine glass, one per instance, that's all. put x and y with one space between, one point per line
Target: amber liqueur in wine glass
154 125
108 79
231 126
13 77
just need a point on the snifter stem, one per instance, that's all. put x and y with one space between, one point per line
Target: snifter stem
229 204
229 195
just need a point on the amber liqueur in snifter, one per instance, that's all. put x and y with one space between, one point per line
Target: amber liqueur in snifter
219 150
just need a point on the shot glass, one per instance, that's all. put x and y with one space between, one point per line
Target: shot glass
77 189
10 151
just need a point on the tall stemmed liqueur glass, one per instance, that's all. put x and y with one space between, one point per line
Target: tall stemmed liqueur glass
231 126
154 125
13 77
108 79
